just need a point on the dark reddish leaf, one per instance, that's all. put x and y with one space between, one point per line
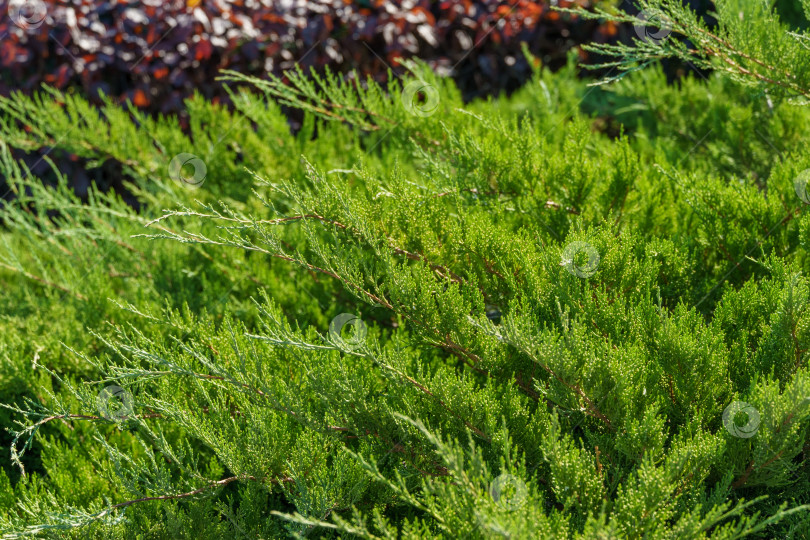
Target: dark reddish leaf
139 98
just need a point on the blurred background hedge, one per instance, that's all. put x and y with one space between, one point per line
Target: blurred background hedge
156 53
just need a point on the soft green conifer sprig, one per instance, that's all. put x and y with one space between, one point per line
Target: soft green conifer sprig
325 96
751 44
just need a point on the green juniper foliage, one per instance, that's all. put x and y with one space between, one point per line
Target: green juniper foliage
758 42
575 312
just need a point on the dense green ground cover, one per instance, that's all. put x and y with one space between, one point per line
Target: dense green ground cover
563 292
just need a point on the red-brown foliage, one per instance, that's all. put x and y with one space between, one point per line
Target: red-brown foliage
155 53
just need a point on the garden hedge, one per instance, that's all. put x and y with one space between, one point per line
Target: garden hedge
156 54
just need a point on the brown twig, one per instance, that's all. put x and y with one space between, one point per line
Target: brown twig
44 281
218 483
